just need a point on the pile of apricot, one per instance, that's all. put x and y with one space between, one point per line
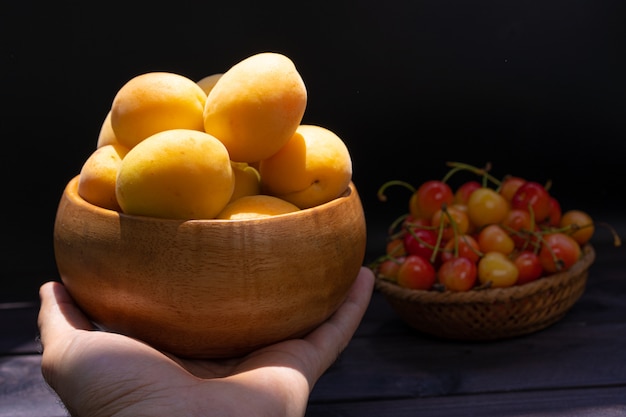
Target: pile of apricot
231 146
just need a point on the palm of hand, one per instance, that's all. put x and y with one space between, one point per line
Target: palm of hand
105 374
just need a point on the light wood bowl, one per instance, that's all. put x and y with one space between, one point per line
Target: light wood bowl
209 288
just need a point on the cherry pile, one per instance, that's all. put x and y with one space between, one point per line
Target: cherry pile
486 233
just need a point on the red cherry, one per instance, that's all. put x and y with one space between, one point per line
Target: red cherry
457 274
464 191
416 273
529 267
558 252
395 248
518 225
429 198
554 214
459 217
411 222
467 248
390 267
509 186
532 196
420 242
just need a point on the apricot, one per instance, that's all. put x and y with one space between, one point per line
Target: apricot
313 168
178 173
247 180
154 102
106 136
96 183
256 106
207 83
256 206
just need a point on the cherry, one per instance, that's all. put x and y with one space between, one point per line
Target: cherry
493 238
389 268
497 269
461 196
486 206
528 266
457 274
416 273
452 220
411 222
533 197
430 197
558 252
554 214
464 246
509 186
420 242
395 247
518 224
580 224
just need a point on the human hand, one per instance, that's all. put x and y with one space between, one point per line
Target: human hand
98 373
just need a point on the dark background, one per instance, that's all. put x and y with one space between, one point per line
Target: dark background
538 89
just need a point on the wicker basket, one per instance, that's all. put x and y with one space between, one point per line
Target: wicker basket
491 314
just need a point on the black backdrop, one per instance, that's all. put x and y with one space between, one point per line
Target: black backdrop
535 88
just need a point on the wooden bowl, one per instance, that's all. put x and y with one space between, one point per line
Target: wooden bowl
490 314
209 288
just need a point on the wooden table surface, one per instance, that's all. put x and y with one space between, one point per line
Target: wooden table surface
576 367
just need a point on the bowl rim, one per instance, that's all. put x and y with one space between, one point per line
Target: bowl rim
489 295
71 193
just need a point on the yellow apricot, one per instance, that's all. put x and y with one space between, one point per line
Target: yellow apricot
96 183
256 106
106 135
313 168
207 83
178 173
247 180
154 102
256 206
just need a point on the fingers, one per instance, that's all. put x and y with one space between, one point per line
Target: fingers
352 310
332 337
58 314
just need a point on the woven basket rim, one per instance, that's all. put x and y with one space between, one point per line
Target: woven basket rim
490 295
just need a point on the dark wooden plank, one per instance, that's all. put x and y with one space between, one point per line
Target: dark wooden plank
23 391
414 366
18 327
585 402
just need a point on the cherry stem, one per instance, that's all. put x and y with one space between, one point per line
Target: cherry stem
455 230
548 185
419 239
378 261
473 249
383 188
617 241
397 222
395 253
457 236
483 172
558 263
532 227
433 257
